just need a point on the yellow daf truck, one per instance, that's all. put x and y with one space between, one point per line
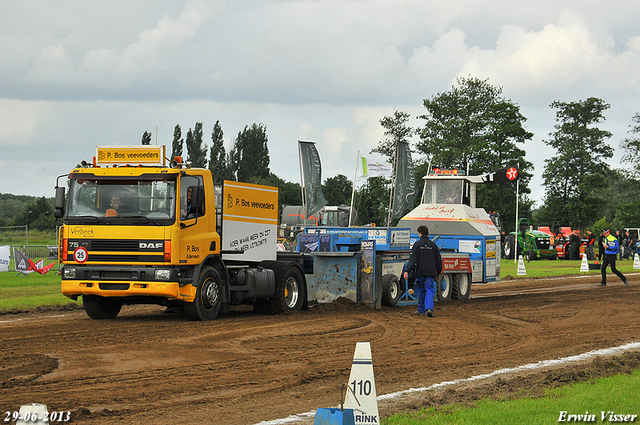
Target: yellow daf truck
139 229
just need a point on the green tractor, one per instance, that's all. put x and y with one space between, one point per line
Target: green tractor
533 244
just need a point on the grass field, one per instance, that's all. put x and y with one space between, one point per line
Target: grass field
543 268
36 237
21 292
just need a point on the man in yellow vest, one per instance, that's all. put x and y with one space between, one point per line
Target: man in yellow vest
610 253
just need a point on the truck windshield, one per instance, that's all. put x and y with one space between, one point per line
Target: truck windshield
132 202
442 191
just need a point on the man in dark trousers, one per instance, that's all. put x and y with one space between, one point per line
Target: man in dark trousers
610 254
426 262
574 245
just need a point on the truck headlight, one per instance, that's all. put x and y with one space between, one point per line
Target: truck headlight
69 273
163 274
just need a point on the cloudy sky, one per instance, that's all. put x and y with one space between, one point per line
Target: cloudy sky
79 73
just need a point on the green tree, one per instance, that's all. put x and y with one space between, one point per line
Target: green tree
178 142
337 190
37 214
372 201
396 130
623 200
218 154
196 150
472 127
631 147
250 154
577 173
12 206
146 138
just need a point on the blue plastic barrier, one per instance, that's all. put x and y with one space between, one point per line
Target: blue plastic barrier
334 416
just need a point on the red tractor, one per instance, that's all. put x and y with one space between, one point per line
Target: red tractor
563 244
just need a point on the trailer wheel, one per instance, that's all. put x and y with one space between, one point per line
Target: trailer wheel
99 308
290 292
509 247
390 290
206 305
444 285
462 286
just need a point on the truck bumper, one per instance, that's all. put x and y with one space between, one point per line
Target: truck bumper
168 290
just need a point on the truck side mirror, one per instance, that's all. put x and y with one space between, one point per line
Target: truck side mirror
59 202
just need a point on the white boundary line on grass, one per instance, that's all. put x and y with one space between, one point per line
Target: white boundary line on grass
531 366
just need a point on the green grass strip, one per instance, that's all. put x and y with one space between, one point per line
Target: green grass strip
596 401
19 292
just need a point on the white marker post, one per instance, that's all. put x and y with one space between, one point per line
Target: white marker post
584 267
361 394
522 271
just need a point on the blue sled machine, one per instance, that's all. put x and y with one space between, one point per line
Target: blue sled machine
364 264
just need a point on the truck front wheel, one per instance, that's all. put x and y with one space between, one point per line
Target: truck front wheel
99 308
208 300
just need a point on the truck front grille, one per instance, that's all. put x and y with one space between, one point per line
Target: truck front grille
118 251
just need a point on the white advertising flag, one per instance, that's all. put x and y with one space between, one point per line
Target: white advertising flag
376 169
5 256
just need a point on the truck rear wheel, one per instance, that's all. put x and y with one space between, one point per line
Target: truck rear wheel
444 285
290 291
206 305
390 290
99 308
462 286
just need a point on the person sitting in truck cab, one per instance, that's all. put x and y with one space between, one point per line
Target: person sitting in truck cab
186 208
116 205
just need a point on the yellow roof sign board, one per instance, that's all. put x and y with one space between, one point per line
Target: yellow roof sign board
133 155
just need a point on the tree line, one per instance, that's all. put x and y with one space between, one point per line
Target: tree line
30 211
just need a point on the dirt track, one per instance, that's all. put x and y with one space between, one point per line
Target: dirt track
150 367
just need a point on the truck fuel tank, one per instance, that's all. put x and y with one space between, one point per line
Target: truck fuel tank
255 283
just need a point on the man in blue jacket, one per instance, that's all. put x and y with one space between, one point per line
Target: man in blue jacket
426 262
610 253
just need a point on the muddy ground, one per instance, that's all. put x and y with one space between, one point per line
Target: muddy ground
149 366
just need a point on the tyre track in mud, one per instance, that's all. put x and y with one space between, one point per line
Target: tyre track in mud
150 367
